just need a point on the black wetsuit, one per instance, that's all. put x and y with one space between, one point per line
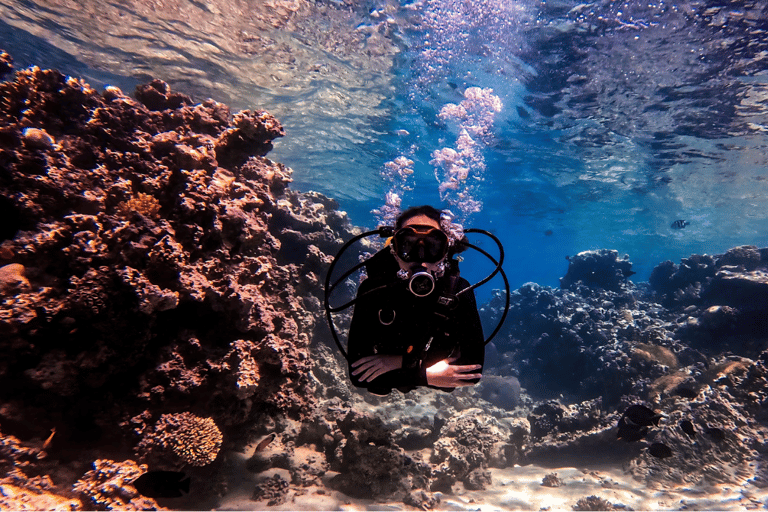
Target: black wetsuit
390 320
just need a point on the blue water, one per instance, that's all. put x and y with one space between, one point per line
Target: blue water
616 118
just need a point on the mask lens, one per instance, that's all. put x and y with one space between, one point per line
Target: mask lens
423 244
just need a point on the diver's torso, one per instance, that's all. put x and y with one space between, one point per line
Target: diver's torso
403 323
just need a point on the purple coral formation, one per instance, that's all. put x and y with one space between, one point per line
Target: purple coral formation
161 310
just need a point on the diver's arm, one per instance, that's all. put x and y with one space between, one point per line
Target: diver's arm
472 340
445 374
464 367
367 369
360 341
371 367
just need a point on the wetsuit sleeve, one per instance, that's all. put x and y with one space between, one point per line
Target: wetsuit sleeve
364 334
361 341
466 333
471 340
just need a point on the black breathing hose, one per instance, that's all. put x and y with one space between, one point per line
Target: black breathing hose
386 231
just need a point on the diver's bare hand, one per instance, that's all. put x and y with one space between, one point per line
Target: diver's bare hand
373 366
443 374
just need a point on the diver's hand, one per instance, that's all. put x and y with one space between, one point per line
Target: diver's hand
372 366
443 374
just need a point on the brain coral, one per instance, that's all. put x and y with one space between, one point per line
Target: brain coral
193 439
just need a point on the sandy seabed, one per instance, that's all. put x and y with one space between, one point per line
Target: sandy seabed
520 488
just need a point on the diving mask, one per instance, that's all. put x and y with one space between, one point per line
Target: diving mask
420 244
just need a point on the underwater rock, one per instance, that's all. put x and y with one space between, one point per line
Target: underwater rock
478 480
726 309
6 64
660 450
109 486
16 455
680 285
12 278
422 500
36 139
370 464
501 391
748 257
732 393
157 95
273 490
15 497
551 480
746 290
469 441
594 503
602 269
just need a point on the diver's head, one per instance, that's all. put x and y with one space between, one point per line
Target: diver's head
420 247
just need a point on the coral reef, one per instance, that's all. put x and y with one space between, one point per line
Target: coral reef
196 441
161 311
108 487
594 503
272 490
149 274
551 480
601 269
697 357
6 64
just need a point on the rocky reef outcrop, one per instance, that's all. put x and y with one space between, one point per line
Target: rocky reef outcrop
689 345
159 281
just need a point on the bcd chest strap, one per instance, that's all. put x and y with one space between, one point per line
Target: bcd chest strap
445 304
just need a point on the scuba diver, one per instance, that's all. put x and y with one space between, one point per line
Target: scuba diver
405 336
415 321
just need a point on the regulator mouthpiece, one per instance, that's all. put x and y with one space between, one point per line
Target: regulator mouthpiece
422 282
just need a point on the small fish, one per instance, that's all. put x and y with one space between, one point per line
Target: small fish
452 85
162 484
715 433
641 415
687 427
631 433
660 450
549 232
686 392
47 442
679 224
264 442
523 113
633 424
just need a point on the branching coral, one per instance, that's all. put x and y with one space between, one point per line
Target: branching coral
194 440
144 204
